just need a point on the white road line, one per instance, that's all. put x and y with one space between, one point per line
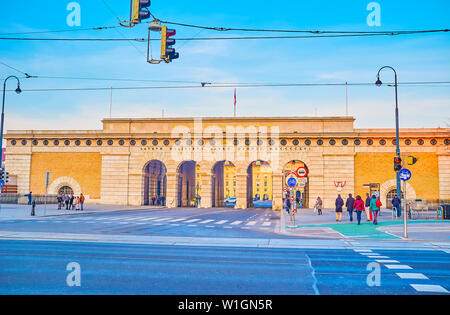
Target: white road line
163 219
222 222
403 267
384 261
379 257
178 220
412 276
236 223
206 221
267 224
192 221
147 219
251 223
429 288
369 254
363 250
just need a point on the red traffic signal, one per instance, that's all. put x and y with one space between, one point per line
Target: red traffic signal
398 165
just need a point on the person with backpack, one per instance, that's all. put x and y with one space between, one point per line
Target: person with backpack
349 204
375 206
368 212
339 204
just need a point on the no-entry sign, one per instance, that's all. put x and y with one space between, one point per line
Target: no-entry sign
302 172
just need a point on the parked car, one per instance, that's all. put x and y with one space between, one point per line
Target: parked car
230 202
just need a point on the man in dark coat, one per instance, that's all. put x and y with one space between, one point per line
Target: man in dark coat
339 204
349 204
396 203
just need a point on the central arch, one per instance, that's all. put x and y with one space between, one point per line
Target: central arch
259 185
155 184
223 181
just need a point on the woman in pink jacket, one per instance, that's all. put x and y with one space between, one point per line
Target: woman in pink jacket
358 206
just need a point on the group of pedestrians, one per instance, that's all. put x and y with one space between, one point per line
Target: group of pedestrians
372 207
71 202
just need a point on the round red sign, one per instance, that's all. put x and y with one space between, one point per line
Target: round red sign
302 172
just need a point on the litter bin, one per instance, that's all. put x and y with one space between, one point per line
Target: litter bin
446 213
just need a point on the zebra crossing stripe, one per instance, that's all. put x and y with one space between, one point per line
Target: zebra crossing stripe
163 219
206 221
236 223
192 221
178 220
267 223
412 276
222 222
429 288
251 223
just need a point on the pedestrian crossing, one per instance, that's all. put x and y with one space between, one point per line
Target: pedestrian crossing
123 220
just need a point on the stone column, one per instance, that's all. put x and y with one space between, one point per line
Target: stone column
206 195
241 189
277 191
171 197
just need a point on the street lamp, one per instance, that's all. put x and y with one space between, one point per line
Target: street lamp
18 91
379 83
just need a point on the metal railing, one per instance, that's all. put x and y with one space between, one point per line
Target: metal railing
40 199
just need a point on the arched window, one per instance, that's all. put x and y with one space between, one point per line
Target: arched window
66 190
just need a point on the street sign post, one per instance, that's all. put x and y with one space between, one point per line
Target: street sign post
47 183
291 182
405 175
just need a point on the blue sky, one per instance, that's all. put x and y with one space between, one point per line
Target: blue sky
416 58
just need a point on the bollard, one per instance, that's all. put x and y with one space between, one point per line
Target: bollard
33 206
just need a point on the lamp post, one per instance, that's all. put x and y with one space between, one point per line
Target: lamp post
379 83
18 91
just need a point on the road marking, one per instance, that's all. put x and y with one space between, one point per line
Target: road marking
384 261
222 222
379 257
412 276
236 223
267 223
206 221
178 220
163 219
363 251
191 221
369 254
429 288
251 223
147 219
404 267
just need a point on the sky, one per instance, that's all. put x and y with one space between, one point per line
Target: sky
320 60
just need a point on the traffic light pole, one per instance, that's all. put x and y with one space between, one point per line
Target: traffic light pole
405 212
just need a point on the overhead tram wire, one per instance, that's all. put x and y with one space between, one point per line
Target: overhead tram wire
99 28
398 33
27 76
227 86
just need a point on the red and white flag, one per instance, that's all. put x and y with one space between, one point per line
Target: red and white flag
235 102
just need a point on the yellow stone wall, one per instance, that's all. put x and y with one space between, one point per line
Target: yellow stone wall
229 176
373 168
85 168
262 181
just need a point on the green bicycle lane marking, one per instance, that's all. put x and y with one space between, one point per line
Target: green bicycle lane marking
365 230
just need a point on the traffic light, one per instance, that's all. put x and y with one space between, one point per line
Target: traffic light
140 11
6 177
168 53
398 164
411 160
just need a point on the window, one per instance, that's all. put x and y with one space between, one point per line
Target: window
408 142
247 142
78 143
13 142
24 142
260 142
296 142
88 142
110 142
320 142
121 142
155 142
56 142
45 142
99 142
357 142
332 142
66 190
308 142
67 142
283 143
383 142
236 142
345 142
447 142
144 142
370 142
35 142
433 142
212 142
201 142
166 142
420 142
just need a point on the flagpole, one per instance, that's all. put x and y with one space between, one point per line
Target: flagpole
234 103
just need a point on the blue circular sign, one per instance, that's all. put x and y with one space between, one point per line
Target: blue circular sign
292 182
405 175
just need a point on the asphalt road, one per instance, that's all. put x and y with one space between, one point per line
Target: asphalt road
253 223
36 267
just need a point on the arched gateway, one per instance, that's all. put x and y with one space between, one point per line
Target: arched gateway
155 184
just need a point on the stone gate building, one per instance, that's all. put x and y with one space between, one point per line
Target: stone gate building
183 161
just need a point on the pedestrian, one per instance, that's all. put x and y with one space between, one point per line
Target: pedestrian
33 207
358 206
58 199
66 201
396 203
71 199
349 204
368 212
82 199
339 204
153 200
30 196
375 205
318 206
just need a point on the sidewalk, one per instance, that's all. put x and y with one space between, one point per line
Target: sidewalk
8 211
309 224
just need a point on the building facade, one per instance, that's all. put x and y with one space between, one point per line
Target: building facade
175 161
